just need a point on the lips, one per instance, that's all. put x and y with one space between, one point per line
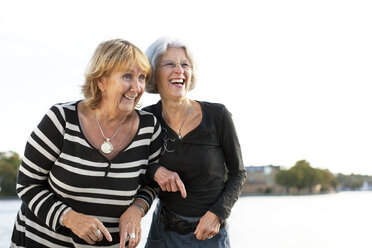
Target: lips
129 98
178 81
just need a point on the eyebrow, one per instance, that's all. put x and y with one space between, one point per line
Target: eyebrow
169 60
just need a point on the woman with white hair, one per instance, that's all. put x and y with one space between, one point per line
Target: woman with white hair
201 172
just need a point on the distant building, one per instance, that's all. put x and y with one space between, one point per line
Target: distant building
366 186
261 180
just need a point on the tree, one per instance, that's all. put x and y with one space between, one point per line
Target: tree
302 176
287 178
352 181
9 164
308 176
328 180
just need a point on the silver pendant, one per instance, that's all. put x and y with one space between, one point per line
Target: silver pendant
107 147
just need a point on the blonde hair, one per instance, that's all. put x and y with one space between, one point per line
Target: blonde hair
111 56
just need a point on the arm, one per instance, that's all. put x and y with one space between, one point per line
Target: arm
210 223
130 221
42 150
234 163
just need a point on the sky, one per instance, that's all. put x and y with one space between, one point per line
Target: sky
295 75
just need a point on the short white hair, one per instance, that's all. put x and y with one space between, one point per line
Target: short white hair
157 49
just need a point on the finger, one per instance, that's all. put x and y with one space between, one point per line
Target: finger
138 236
104 231
133 237
93 236
88 239
123 238
198 232
99 235
169 187
163 187
181 187
206 236
174 186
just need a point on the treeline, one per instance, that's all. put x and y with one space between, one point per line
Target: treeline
9 164
302 176
352 182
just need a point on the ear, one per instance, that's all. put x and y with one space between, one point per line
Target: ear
101 83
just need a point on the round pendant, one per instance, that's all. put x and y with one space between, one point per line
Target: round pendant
107 147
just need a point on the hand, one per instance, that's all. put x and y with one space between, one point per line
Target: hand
130 225
169 181
86 227
208 227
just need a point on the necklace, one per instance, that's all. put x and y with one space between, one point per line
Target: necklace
179 129
106 146
183 122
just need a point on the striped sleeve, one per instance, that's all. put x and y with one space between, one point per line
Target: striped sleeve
41 151
149 190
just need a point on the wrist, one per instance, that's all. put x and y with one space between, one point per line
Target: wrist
139 207
63 216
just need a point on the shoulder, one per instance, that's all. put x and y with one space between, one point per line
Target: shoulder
149 109
63 109
154 109
213 108
147 117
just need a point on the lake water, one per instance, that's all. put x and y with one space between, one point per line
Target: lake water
340 220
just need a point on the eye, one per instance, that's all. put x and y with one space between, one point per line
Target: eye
127 76
170 64
185 65
142 77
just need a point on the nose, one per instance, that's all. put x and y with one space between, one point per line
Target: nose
178 69
136 85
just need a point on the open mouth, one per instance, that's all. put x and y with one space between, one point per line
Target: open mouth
129 98
177 81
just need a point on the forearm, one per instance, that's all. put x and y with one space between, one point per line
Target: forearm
233 187
42 150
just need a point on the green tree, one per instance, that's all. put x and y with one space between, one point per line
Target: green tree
328 180
287 178
302 176
352 181
9 164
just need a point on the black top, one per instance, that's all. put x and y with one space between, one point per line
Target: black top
201 158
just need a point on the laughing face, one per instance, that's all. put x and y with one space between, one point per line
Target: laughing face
173 74
122 90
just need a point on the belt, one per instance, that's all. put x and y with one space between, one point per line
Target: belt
176 224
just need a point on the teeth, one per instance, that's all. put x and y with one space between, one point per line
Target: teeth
177 81
128 97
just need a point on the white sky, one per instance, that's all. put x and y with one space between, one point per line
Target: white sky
296 75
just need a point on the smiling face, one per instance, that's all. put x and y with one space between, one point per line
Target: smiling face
122 90
173 74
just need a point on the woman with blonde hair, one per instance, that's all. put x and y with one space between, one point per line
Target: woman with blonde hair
82 180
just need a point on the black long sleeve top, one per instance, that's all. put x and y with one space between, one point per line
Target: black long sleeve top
208 160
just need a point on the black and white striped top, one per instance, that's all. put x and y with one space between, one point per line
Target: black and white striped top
62 169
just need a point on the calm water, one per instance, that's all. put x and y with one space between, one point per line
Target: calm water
341 220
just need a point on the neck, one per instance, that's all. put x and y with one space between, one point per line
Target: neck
175 111
175 114
109 118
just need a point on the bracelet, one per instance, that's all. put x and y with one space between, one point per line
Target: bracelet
63 215
140 207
